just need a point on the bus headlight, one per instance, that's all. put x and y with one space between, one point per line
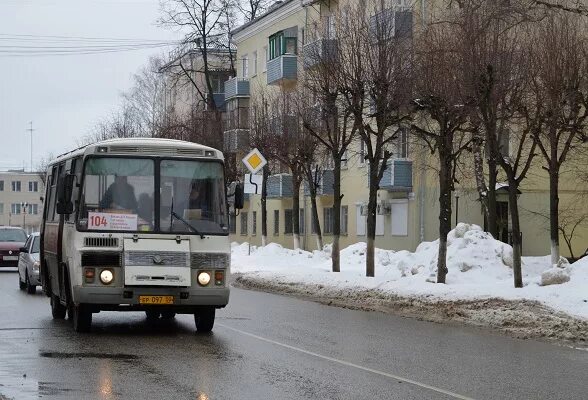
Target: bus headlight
203 278
106 276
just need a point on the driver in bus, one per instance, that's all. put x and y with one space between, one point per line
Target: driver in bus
119 195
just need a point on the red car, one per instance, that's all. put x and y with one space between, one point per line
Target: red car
11 240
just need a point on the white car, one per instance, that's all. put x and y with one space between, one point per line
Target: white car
28 264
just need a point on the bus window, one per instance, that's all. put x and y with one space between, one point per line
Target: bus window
118 194
192 191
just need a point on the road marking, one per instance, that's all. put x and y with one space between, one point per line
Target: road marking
350 364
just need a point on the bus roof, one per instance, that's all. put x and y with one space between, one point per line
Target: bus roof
142 146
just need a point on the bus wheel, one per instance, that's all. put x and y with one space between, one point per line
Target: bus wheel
167 315
57 310
82 318
204 319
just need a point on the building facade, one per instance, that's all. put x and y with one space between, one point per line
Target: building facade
21 201
270 57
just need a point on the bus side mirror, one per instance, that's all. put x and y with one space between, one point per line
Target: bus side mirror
239 196
64 190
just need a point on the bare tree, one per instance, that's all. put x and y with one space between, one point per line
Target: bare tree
486 49
561 91
146 97
204 32
375 83
326 117
443 110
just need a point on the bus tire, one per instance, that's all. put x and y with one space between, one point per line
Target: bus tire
204 319
58 310
167 315
82 318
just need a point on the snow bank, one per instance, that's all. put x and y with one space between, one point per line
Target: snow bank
479 268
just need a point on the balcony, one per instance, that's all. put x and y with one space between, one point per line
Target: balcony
236 130
318 52
325 186
279 186
219 101
397 176
236 87
282 69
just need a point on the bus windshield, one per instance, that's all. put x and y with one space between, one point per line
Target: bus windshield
119 195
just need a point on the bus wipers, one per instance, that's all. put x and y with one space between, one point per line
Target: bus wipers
174 214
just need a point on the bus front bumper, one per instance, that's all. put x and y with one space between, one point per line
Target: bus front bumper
185 300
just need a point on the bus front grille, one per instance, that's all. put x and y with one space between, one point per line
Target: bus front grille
209 260
163 258
100 242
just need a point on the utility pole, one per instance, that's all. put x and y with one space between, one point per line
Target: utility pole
30 130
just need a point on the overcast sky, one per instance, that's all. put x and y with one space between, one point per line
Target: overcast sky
65 95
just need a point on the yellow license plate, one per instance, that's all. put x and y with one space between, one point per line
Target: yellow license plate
156 299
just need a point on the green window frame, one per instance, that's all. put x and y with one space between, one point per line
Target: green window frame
279 44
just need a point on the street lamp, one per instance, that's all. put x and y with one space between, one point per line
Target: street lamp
24 205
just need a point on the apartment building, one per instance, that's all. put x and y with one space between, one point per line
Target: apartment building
185 79
21 200
270 55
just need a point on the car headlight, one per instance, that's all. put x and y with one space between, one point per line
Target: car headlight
106 276
203 278
36 266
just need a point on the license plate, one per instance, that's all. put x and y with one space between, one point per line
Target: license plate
10 258
156 299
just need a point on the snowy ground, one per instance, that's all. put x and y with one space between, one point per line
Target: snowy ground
480 277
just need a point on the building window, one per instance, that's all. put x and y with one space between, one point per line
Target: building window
33 209
1 208
276 222
243 223
344 160
15 208
16 186
233 223
328 220
254 223
1 186
344 219
33 186
245 65
361 151
266 58
399 217
288 221
360 220
254 66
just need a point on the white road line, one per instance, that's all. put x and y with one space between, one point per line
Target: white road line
349 364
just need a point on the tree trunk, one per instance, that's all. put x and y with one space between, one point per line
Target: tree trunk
516 233
314 210
479 174
445 177
264 206
371 220
336 251
296 209
554 203
492 220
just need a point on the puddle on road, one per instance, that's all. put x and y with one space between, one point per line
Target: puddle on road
117 356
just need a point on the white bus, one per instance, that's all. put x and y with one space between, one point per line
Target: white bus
137 225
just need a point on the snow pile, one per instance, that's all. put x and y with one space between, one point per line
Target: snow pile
479 268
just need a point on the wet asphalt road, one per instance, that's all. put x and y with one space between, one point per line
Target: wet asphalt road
271 347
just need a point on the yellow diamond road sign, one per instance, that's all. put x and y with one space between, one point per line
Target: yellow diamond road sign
254 161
